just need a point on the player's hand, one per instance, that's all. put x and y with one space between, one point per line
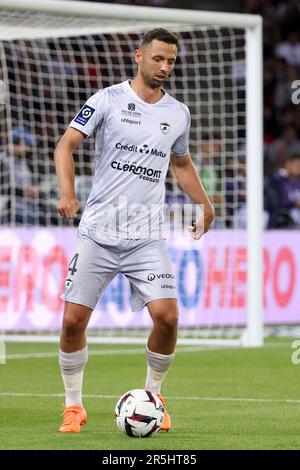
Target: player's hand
197 229
201 226
68 207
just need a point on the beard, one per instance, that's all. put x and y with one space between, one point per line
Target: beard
152 82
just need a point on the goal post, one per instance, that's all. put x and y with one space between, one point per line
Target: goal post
226 74
254 154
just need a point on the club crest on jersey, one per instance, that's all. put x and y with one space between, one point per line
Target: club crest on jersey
84 115
131 107
164 127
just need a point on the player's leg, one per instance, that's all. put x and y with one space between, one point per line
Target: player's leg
73 356
162 341
160 347
73 332
149 271
91 269
164 313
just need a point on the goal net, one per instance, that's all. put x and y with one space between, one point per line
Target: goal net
52 60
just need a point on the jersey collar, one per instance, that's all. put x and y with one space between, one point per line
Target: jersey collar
137 98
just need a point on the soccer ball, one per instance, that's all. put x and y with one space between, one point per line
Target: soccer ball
139 413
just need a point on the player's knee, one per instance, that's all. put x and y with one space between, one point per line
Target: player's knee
167 319
72 326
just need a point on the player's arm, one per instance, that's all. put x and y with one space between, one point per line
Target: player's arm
68 204
188 179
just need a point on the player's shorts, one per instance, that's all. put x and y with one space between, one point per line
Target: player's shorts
145 263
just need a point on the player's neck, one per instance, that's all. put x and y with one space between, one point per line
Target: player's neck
147 94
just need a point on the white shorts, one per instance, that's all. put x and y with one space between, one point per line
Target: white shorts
145 263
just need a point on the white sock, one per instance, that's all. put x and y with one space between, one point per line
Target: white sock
158 366
72 366
73 388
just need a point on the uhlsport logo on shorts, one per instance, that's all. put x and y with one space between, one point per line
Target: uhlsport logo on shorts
84 115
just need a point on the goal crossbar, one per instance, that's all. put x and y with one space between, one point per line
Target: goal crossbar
131 12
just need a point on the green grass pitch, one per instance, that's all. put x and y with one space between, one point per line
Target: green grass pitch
218 399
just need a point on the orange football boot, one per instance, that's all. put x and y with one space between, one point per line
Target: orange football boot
166 424
74 419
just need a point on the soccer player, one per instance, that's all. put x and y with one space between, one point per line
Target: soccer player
139 129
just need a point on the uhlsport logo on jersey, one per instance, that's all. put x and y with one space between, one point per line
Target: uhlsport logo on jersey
164 127
142 149
84 115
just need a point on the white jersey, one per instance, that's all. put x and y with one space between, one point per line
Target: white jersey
134 140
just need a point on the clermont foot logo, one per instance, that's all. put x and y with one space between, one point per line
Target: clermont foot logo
68 285
164 127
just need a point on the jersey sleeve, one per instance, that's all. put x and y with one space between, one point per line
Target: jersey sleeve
181 144
91 114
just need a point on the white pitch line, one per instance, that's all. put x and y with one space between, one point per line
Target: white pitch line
112 352
104 352
223 399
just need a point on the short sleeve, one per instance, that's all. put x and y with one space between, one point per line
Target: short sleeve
181 144
91 114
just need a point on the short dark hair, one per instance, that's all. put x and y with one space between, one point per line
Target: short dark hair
160 34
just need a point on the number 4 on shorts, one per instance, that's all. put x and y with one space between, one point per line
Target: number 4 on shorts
73 262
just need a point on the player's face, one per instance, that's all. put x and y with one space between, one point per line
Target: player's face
156 62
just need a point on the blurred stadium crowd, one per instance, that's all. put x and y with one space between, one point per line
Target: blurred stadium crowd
281 136
281 110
